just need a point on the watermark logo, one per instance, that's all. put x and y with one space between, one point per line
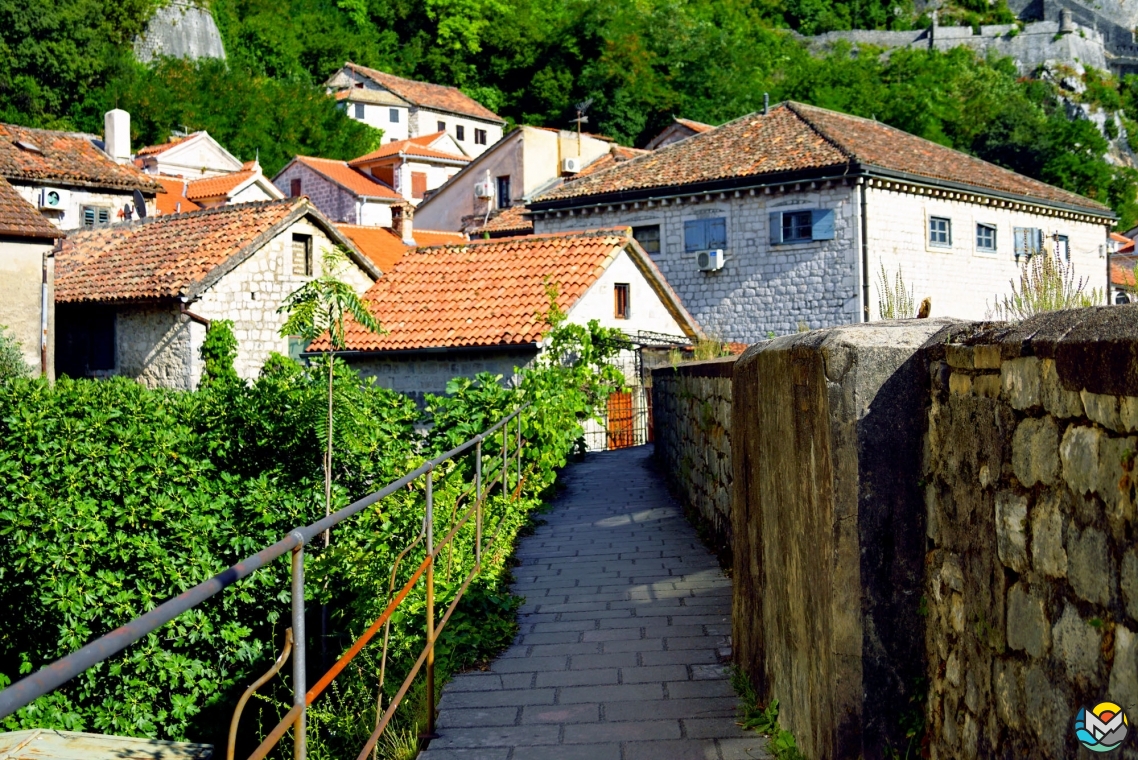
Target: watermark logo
1102 728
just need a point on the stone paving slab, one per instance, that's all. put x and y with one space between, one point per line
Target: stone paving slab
622 637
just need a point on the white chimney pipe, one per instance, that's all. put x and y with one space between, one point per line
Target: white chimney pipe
116 135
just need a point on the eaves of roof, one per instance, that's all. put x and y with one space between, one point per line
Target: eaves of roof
847 171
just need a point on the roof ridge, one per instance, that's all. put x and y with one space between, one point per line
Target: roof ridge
793 106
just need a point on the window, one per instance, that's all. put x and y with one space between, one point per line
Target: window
418 184
801 225
798 225
393 115
986 237
620 292
705 234
96 216
85 338
302 255
940 231
480 137
442 126
503 192
648 237
294 188
296 346
1028 241
459 132
1063 247
360 110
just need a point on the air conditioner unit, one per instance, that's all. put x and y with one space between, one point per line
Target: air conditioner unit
710 261
483 190
570 165
53 199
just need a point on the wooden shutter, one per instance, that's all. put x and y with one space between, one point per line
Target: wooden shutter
717 233
776 227
822 224
695 235
418 184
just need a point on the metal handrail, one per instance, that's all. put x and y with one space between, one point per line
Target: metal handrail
54 675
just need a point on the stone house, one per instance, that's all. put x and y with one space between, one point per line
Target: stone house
341 192
135 299
787 219
405 108
460 309
415 166
525 163
27 278
76 180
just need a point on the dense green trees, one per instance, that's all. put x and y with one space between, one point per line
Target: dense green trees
532 60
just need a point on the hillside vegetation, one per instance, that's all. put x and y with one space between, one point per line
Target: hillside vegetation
532 61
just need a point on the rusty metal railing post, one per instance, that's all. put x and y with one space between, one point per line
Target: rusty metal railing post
430 734
506 459
518 452
478 505
300 751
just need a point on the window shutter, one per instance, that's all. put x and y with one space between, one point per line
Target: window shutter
1038 240
717 233
695 237
1021 241
822 221
776 227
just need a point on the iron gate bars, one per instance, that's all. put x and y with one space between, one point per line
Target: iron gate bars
53 676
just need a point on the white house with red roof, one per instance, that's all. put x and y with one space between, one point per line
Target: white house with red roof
342 192
405 108
192 156
415 166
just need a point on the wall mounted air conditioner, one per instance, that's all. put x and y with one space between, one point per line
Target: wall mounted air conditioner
710 261
53 199
570 165
483 190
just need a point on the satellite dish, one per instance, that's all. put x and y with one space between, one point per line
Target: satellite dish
139 204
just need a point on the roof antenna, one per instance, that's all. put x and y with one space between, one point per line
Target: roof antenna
766 103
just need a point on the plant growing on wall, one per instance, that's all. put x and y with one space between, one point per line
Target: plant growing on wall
1046 283
894 299
12 362
218 351
320 306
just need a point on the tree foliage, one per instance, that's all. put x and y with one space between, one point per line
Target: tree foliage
218 352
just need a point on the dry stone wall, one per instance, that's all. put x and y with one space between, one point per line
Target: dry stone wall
691 409
1032 576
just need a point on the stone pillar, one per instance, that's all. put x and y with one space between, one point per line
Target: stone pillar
828 530
1066 23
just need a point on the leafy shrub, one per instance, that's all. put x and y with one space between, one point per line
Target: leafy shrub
1046 283
12 364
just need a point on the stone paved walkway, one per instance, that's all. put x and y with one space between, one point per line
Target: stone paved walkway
626 619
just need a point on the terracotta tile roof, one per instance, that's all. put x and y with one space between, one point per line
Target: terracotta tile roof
795 137
488 293
213 187
695 126
513 220
428 238
384 247
1125 244
19 218
427 95
154 150
1122 270
69 158
617 154
165 257
350 179
174 200
416 146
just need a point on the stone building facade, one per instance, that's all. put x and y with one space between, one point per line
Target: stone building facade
342 193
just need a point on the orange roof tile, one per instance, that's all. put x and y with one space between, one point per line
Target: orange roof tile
617 154
515 220
166 257
794 137
379 244
154 150
174 200
427 95
416 146
490 293
695 126
213 187
1122 271
69 158
428 238
350 179
19 218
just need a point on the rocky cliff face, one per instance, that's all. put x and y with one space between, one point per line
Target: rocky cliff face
181 29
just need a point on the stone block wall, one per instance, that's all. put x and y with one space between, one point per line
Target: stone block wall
1031 586
691 410
416 375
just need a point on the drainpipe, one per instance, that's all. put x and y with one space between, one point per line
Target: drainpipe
1109 248
193 317
44 305
864 250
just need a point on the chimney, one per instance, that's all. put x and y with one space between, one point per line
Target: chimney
401 214
1066 21
116 135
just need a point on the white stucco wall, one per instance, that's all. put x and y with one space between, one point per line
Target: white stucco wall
252 193
72 217
424 121
646 311
374 214
21 278
963 281
761 288
379 116
196 158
